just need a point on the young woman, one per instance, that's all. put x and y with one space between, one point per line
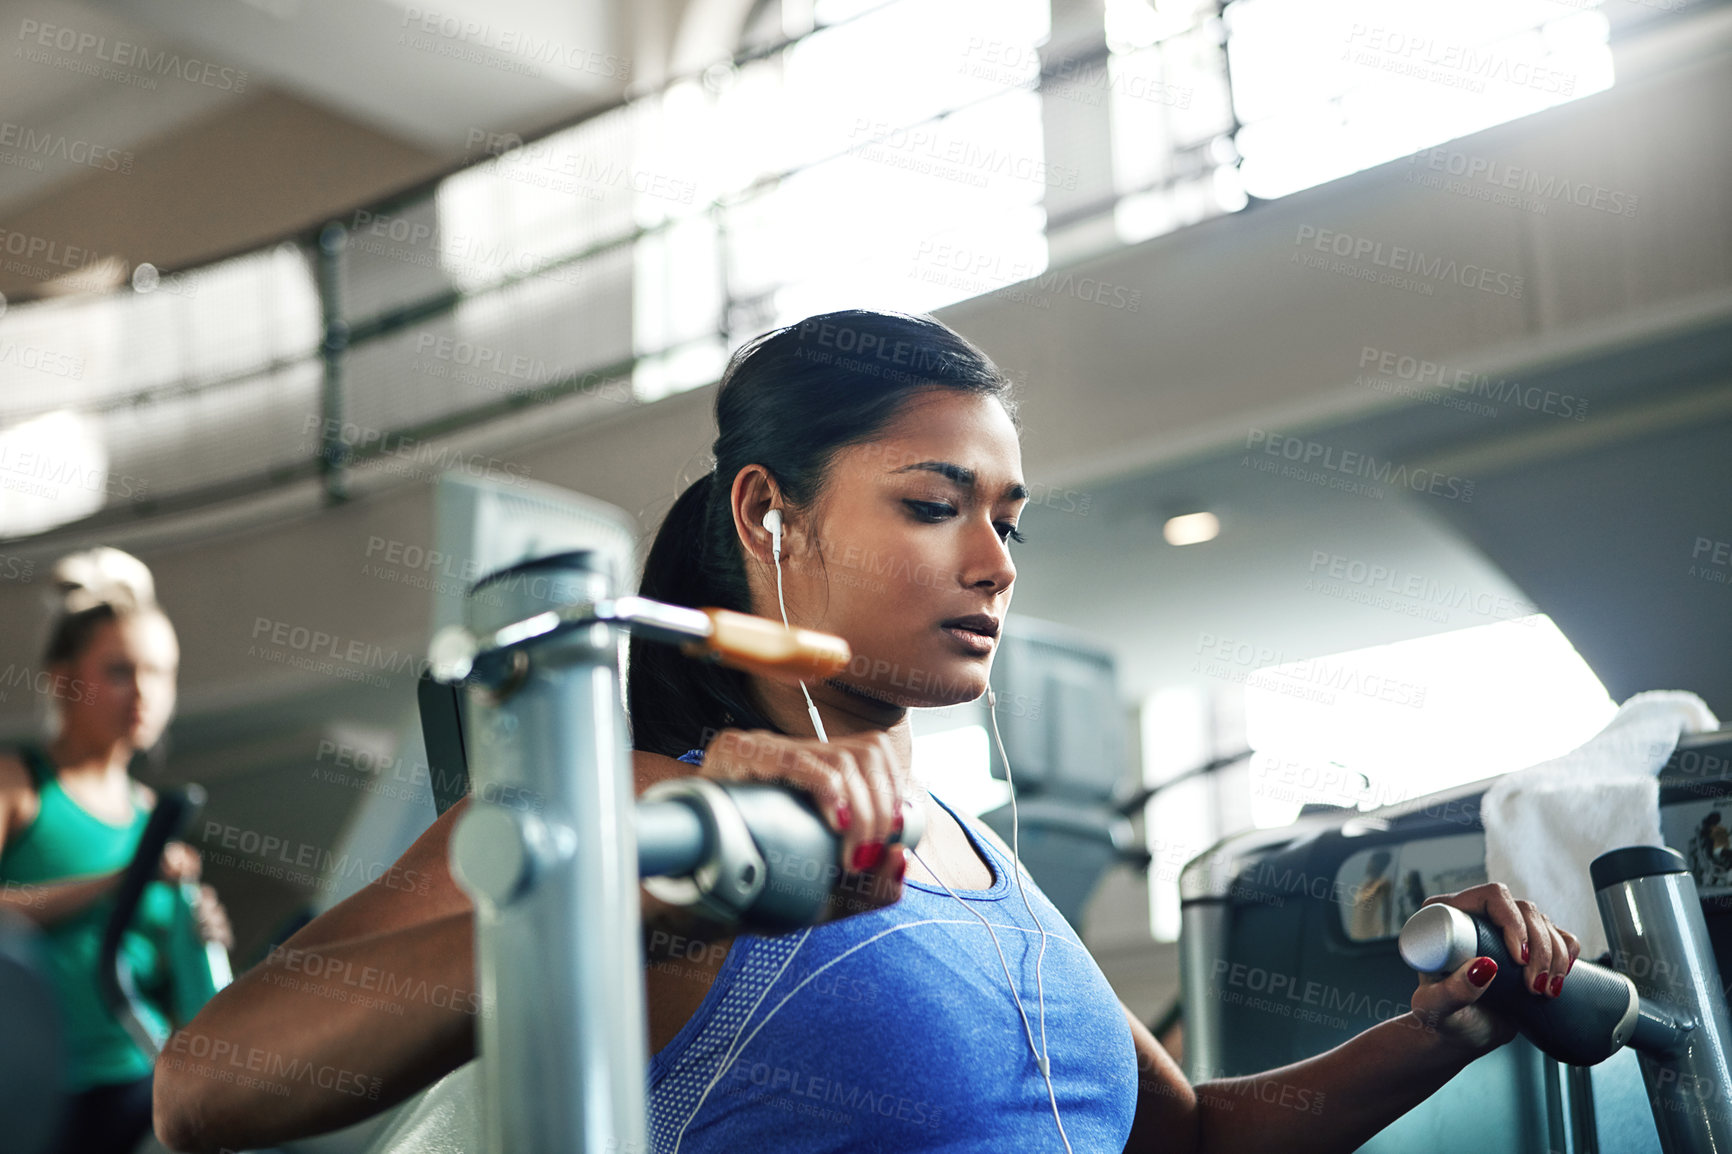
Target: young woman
70 821
947 1005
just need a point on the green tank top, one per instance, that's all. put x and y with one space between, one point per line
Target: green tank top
64 843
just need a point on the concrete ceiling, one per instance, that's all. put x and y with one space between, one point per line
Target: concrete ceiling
177 131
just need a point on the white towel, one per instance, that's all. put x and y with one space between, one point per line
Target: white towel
1544 824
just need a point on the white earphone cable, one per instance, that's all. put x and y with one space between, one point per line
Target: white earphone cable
1016 867
773 522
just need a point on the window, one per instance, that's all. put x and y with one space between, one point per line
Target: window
1328 87
1377 726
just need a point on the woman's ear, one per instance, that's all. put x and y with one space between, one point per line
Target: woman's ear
754 494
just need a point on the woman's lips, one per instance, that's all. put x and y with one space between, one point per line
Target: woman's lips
969 640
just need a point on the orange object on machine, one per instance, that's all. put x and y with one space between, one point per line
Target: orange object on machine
769 648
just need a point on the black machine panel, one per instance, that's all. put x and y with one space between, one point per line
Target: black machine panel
1305 966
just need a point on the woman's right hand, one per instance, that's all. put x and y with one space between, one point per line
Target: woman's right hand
858 783
180 863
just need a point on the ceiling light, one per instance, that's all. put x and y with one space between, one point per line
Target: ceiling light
1192 529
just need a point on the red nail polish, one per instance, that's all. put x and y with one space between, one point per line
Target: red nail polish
867 856
1557 985
844 816
896 827
1524 953
1540 984
1482 972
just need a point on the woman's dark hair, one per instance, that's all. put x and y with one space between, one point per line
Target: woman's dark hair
72 633
789 401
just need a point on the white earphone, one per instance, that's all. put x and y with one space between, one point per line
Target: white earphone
773 523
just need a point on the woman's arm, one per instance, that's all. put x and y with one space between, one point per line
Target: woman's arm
311 1040
56 901
1332 1102
307 1015
352 995
1335 1101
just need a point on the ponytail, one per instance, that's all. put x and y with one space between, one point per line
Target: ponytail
678 704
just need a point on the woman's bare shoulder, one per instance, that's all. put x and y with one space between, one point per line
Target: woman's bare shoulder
14 775
16 790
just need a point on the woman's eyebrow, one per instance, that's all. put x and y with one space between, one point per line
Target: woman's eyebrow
1015 491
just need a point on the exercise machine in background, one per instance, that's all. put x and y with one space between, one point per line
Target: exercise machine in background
1275 966
1059 710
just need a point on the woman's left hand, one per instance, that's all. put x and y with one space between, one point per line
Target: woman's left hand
1446 1002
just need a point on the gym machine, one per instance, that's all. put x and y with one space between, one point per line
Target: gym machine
554 844
1661 996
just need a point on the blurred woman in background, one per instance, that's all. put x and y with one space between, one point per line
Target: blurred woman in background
70 821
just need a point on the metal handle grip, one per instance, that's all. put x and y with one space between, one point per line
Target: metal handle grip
759 854
769 648
1592 1018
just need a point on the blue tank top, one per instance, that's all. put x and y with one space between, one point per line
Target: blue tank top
895 1030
